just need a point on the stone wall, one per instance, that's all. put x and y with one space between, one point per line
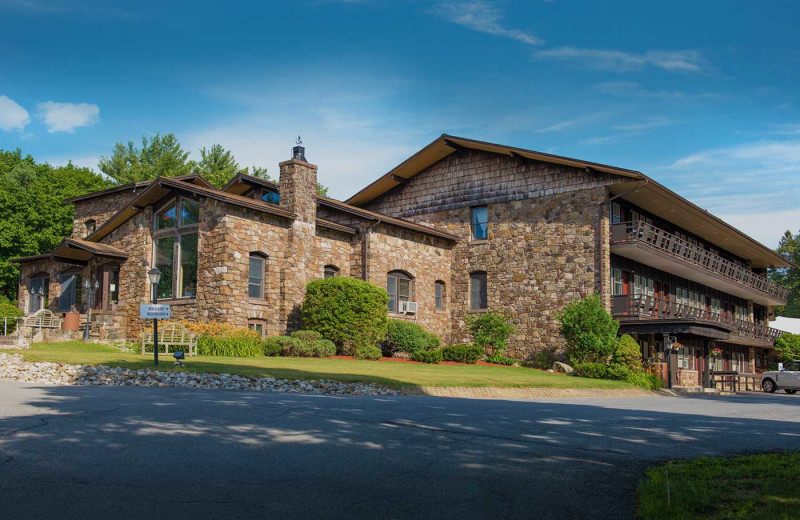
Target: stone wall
426 259
100 209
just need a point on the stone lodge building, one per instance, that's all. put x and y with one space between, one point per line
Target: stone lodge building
460 227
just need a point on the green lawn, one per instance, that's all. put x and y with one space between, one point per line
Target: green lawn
753 487
384 372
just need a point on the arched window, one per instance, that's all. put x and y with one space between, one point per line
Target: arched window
90 225
400 286
330 271
256 275
477 290
439 295
175 238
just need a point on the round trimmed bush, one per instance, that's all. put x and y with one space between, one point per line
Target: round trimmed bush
367 352
346 311
469 354
323 348
627 352
432 357
590 331
306 335
272 347
407 336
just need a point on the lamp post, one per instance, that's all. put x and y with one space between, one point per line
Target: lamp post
88 286
155 276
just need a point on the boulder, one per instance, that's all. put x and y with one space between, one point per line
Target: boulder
564 368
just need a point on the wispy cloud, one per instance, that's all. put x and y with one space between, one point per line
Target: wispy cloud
560 126
66 117
633 89
620 61
641 126
12 115
786 129
483 17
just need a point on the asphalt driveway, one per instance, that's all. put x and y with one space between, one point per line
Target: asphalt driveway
111 452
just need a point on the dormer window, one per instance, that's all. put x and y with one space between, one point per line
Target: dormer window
271 197
90 226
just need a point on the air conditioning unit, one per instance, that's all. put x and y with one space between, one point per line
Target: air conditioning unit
408 307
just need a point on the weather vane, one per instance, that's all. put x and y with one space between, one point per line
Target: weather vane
299 141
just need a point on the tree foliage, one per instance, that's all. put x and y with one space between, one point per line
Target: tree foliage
33 216
787 347
217 165
789 248
158 157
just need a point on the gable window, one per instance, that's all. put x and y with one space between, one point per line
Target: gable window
479 222
477 291
400 287
439 295
37 293
175 248
90 226
255 278
330 271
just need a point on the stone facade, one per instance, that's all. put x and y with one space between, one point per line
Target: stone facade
100 209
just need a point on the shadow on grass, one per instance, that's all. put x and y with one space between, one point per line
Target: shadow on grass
178 453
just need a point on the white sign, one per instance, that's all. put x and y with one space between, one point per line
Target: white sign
780 366
150 311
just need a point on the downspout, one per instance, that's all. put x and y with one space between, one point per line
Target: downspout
366 230
603 253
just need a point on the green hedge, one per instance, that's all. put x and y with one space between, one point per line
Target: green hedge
349 312
236 346
306 335
433 357
499 359
619 373
273 347
407 336
368 352
469 354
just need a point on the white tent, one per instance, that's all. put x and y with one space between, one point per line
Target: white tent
791 325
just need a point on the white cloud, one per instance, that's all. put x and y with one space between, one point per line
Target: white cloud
483 17
767 227
66 117
630 88
560 126
641 126
620 61
787 129
12 115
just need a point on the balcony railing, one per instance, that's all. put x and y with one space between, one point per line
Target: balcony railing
658 239
649 307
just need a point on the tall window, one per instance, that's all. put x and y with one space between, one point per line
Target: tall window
480 223
255 278
477 290
616 213
90 226
330 271
439 295
70 295
37 293
175 238
113 287
400 287
616 282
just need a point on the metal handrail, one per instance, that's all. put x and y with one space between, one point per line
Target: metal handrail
10 324
651 307
641 231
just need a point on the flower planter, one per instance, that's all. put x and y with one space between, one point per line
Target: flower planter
72 321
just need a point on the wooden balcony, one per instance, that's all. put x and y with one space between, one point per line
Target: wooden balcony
639 307
655 247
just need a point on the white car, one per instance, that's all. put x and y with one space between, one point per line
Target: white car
787 379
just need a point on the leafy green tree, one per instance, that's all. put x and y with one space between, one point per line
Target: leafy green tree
590 331
33 216
789 248
258 171
217 165
787 347
158 157
490 330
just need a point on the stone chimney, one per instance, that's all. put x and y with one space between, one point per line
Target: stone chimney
298 185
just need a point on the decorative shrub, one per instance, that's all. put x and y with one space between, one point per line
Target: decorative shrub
239 345
544 359
407 336
272 347
591 332
347 311
425 356
306 335
644 380
490 330
500 359
619 373
787 347
368 352
592 370
469 354
628 353
296 347
9 310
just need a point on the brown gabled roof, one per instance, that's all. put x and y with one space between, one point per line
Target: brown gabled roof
75 249
239 183
191 178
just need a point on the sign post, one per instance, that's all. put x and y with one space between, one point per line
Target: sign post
155 312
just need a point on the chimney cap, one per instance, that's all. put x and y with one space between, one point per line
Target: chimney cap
299 151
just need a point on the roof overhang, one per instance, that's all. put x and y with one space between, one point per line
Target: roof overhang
133 186
73 250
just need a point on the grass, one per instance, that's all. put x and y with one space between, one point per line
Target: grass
385 373
752 487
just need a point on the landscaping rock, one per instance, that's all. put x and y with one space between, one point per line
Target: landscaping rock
564 368
14 368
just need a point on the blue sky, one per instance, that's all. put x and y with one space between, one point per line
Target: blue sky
703 96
